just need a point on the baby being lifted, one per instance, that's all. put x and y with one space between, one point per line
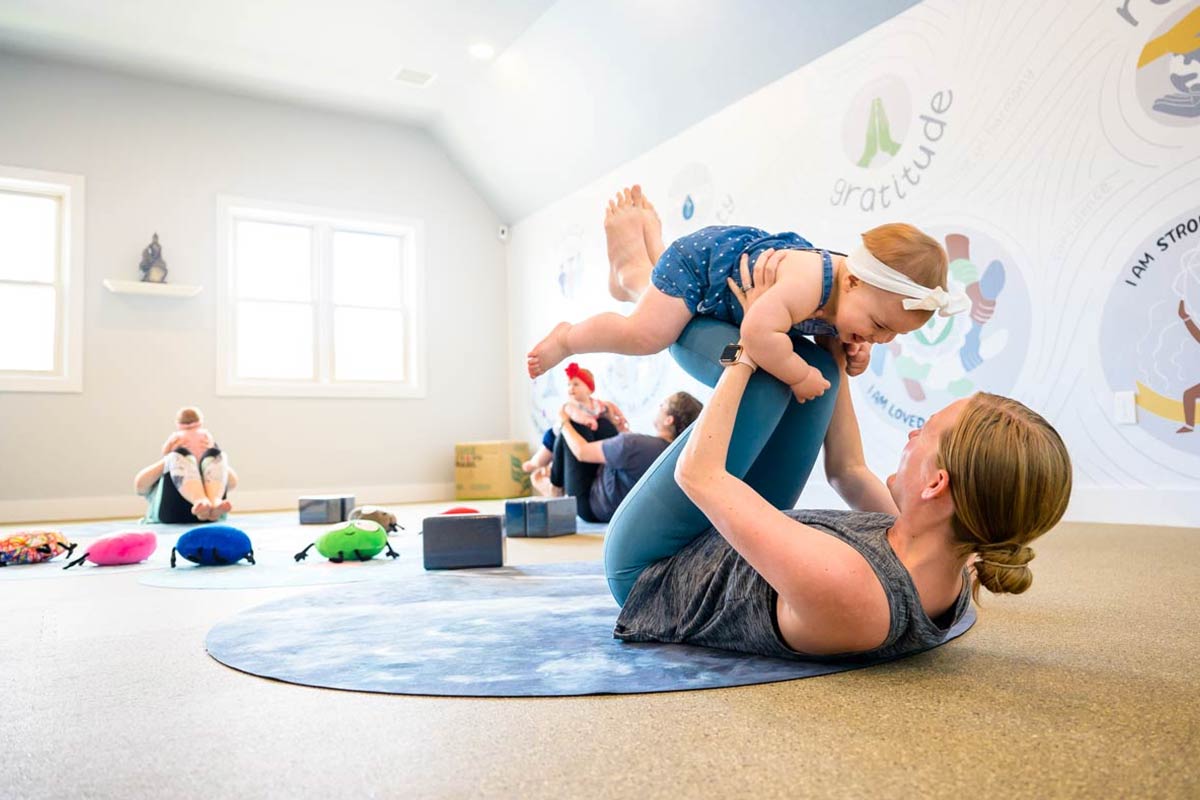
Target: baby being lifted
889 286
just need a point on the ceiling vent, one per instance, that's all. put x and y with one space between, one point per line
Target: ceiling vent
414 77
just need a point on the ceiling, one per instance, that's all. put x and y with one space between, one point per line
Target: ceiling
577 86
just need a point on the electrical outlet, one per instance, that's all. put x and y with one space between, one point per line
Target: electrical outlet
1125 408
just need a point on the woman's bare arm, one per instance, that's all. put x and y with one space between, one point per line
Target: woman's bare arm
146 479
845 465
585 451
779 307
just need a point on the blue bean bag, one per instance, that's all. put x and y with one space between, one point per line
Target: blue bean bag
214 545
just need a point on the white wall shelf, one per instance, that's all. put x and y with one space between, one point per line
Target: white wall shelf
145 287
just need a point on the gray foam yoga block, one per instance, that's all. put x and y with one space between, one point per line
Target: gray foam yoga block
325 508
540 517
460 541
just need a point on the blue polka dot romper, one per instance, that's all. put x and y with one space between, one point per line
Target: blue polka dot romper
695 267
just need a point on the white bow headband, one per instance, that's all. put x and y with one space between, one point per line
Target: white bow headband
865 266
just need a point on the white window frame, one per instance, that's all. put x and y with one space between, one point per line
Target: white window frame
324 221
67 375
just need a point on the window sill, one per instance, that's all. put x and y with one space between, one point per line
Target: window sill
50 384
348 391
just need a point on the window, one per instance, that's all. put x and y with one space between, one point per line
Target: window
318 303
41 281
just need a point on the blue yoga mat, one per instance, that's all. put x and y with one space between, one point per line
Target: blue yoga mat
508 632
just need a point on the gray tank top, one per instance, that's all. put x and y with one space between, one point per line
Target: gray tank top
706 594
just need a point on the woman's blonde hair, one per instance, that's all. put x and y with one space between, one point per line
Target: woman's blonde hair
906 249
1010 479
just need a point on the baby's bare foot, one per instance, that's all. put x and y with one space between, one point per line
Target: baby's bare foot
223 507
629 262
651 225
548 351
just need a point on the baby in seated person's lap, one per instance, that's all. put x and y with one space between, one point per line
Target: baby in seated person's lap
191 439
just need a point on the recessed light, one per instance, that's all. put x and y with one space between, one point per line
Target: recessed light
481 50
414 77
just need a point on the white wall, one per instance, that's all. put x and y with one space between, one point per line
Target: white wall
1027 127
155 157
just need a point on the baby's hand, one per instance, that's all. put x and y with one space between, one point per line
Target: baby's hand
615 416
813 386
171 443
858 357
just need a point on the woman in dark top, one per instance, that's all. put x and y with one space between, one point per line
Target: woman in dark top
701 552
600 471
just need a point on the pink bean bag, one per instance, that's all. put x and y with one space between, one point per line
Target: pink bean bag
128 547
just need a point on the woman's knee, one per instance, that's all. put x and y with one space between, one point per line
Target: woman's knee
698 348
623 559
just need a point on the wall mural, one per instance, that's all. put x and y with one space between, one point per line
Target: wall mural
1150 331
1053 148
1168 70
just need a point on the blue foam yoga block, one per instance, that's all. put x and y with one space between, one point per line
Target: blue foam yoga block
461 541
540 517
550 516
514 517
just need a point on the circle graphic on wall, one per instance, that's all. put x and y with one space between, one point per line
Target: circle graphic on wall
569 263
1150 332
916 375
877 122
635 382
1168 70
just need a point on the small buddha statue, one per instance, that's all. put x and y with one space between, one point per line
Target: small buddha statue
154 269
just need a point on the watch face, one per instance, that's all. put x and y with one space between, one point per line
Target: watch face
730 354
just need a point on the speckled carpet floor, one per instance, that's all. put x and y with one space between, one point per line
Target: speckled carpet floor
1083 687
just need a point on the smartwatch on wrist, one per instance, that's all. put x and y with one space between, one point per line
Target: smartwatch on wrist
736 354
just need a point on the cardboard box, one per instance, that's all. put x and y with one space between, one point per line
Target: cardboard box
490 470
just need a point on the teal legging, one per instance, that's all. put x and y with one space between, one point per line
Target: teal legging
774 446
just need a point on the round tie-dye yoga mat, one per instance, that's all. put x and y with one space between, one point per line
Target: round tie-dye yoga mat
510 632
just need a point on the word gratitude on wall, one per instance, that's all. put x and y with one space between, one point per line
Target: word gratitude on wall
881 194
